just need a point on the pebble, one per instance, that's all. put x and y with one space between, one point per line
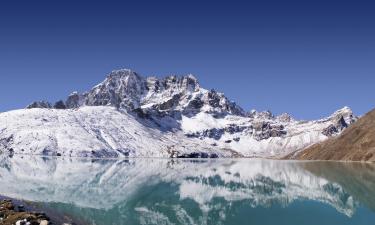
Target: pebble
43 222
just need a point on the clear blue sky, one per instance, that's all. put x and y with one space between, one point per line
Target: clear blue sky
304 57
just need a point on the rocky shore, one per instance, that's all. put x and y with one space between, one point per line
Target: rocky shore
13 212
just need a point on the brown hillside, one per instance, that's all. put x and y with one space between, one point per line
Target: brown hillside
356 143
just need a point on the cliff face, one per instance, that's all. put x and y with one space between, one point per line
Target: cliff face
357 143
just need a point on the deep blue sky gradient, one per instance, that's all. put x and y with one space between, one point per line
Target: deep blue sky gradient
307 58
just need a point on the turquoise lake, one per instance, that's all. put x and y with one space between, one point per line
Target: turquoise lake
194 191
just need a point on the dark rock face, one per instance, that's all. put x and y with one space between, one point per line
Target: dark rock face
194 106
335 128
39 104
330 130
142 113
217 133
198 155
59 105
5 143
218 100
265 130
74 100
341 124
214 98
233 128
214 133
171 103
121 88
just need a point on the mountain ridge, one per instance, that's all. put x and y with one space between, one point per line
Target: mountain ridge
175 114
127 89
354 144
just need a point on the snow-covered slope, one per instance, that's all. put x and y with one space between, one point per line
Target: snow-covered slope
99 131
129 115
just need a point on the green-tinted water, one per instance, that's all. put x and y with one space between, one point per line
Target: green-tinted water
225 191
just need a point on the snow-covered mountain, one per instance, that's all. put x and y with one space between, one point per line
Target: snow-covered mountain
130 115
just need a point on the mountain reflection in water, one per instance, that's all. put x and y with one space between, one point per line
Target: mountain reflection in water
169 191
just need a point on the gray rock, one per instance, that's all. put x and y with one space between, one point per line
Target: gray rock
59 105
265 130
74 100
39 104
122 88
335 128
285 117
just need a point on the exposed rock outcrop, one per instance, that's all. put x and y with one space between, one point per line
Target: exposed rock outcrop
39 104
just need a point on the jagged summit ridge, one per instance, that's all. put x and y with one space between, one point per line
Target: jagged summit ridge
129 90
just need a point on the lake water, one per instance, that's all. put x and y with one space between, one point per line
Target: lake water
222 191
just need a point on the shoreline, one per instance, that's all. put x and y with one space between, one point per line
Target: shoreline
22 212
284 158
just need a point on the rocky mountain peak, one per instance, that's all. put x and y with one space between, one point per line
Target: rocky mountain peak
127 89
340 120
190 82
346 114
285 117
74 100
122 88
122 74
344 110
39 104
123 79
265 115
155 115
174 84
